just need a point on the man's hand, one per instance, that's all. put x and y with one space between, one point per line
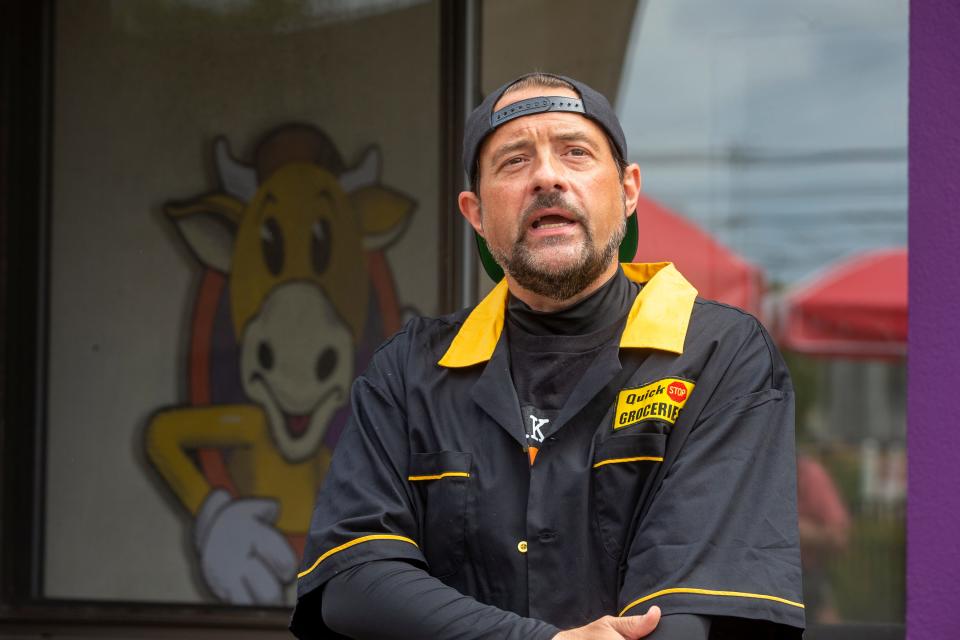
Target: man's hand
613 628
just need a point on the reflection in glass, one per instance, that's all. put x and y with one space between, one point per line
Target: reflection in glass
779 130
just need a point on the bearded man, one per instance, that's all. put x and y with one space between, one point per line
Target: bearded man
592 452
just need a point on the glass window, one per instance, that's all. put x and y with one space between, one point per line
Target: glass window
244 205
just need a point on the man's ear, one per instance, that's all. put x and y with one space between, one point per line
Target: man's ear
632 183
470 208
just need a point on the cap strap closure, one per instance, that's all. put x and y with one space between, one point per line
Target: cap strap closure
535 105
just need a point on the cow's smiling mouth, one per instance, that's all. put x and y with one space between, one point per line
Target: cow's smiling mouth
296 425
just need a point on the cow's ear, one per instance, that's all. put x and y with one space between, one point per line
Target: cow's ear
383 215
208 225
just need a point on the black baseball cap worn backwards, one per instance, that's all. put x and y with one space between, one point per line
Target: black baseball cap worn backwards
592 104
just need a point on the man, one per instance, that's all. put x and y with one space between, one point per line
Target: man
587 442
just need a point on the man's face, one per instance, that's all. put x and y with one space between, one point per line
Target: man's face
551 204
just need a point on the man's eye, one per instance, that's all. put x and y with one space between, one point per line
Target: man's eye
577 151
516 160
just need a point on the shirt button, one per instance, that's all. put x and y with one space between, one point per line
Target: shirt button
522 546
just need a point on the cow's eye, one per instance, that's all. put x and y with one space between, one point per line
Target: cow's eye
320 246
271 242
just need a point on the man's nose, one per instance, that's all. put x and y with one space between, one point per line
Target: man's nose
549 174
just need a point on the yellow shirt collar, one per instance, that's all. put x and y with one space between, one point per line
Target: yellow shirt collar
658 318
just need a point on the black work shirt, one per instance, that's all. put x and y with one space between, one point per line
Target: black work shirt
676 488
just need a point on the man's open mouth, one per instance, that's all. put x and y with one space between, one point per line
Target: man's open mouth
553 219
551 222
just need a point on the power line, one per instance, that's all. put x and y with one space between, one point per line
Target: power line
749 156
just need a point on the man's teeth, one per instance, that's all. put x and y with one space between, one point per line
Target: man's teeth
539 224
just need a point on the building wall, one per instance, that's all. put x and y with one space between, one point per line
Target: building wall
933 543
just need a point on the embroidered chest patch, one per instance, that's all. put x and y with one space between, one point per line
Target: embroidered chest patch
659 400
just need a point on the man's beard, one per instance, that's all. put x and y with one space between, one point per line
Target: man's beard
562 282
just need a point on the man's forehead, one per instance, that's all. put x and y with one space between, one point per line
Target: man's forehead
555 127
559 125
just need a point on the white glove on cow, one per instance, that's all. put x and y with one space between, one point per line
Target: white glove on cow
243 557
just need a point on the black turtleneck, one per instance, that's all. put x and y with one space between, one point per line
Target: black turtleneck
549 349
599 310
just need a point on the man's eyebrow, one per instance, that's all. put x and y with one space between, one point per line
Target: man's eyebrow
576 136
509 148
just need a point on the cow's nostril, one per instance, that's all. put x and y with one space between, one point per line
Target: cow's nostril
326 363
265 355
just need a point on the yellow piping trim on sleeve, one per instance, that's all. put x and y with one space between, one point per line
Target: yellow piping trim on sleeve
710 592
445 474
347 545
637 459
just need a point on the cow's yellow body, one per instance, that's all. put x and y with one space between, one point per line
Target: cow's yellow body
255 464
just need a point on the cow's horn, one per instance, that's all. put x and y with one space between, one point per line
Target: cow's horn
364 174
238 180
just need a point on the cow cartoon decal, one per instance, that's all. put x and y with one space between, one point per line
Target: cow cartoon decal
295 295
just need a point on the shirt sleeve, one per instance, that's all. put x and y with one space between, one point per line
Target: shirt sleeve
681 626
390 599
365 509
719 535
395 600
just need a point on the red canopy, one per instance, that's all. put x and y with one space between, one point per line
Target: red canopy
716 272
857 308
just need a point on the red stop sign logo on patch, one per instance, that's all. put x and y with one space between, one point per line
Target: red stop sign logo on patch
677 391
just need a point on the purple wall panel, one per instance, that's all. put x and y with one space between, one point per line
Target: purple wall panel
933 518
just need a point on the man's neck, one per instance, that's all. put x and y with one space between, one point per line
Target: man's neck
538 302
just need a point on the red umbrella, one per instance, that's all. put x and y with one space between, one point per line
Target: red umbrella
717 272
857 308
